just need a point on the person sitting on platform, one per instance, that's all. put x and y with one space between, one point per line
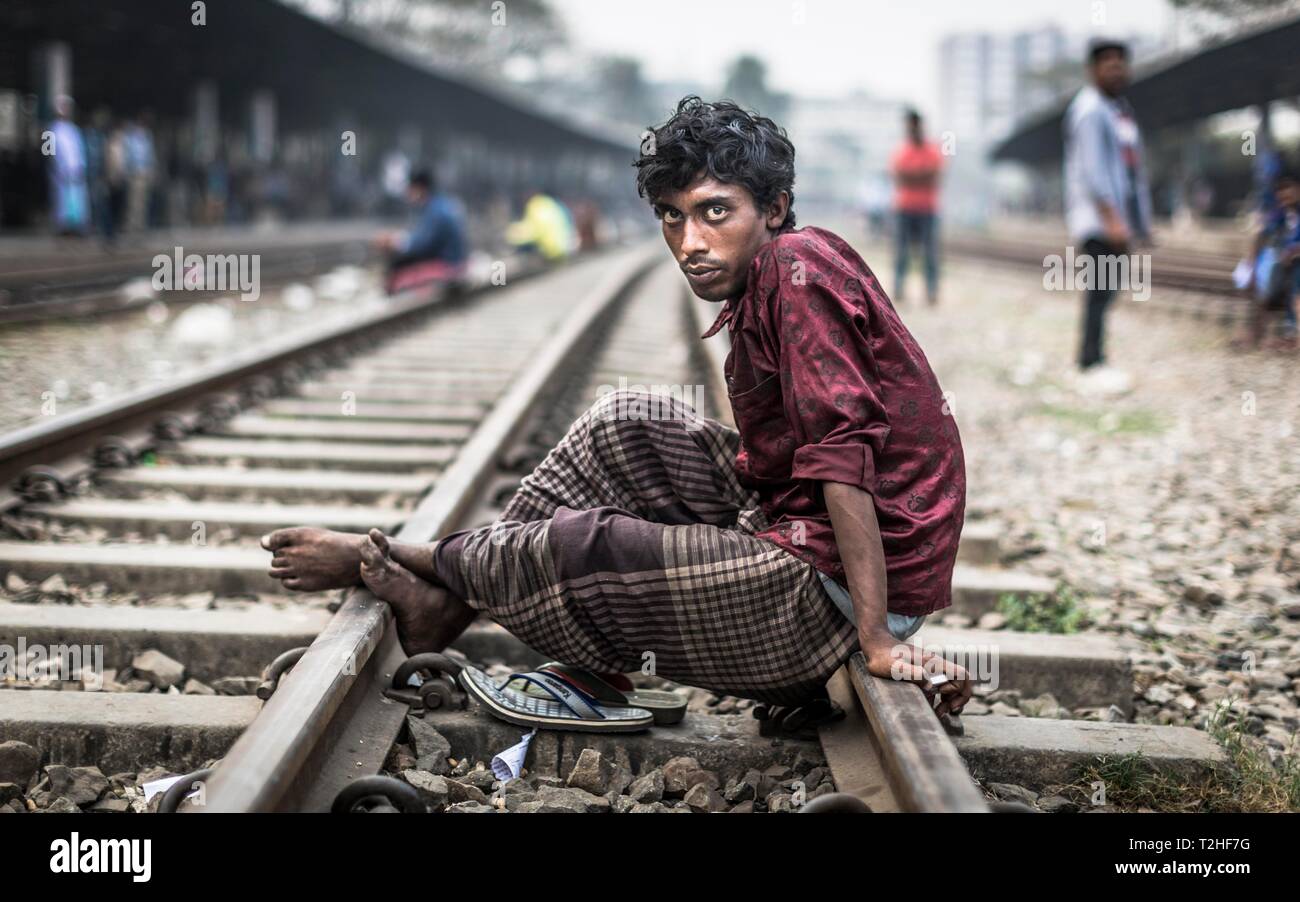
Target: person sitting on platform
436 249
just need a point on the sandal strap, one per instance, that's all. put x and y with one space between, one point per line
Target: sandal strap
573 698
588 682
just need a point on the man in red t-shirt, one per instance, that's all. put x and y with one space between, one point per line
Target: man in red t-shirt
916 165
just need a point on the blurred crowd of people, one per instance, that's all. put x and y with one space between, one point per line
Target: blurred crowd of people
109 176
102 178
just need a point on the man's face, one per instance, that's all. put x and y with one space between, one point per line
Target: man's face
1288 193
416 195
714 229
1110 72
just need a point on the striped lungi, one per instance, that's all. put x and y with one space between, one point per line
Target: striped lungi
632 547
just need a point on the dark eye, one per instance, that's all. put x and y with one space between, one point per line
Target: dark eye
717 211
669 215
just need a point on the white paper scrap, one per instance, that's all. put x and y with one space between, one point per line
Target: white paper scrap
153 787
509 764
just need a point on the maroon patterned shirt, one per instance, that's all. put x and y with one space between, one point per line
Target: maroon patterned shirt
827 385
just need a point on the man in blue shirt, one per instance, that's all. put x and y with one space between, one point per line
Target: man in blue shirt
436 248
1277 271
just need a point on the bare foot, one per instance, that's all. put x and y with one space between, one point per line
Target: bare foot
428 618
308 559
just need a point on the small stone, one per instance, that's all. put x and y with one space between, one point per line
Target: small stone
648 787
9 792
993 620
1013 793
1159 695
517 801
1004 709
746 807
111 806
569 800
591 772
54 585
700 798
194 687
1113 714
464 792
238 685
681 773
82 785
1057 805
432 749
62 805
18 762
481 778
1269 679
14 582
780 803
1044 705
432 788
743 789
624 805
650 808
622 776
470 808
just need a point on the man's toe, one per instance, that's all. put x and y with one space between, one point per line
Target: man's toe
280 538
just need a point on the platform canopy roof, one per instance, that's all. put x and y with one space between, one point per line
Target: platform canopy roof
132 54
1246 69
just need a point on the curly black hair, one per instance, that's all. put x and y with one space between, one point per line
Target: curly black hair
728 143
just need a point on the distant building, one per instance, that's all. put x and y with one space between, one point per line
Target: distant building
843 144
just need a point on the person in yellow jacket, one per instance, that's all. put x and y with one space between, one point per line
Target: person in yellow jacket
545 227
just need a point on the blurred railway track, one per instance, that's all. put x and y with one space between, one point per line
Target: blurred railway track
1204 279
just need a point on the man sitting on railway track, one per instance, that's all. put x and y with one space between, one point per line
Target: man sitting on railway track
436 249
753 561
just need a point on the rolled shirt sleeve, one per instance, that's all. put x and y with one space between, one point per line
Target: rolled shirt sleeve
1091 135
831 390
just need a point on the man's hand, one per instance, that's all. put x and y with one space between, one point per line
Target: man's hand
889 658
1117 233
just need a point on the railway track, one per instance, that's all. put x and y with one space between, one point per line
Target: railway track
447 412
43 287
1203 281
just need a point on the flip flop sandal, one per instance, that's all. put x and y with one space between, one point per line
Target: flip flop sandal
564 708
667 707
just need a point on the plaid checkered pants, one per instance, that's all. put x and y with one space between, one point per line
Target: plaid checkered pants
633 543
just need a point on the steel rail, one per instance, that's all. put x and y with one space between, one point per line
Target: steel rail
329 723
63 444
1168 273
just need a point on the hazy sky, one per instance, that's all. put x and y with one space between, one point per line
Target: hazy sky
889 48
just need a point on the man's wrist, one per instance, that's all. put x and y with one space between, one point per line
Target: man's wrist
876 638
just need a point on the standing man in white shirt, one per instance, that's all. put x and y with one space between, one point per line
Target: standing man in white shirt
1107 194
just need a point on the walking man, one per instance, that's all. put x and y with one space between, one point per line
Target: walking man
751 561
1107 197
